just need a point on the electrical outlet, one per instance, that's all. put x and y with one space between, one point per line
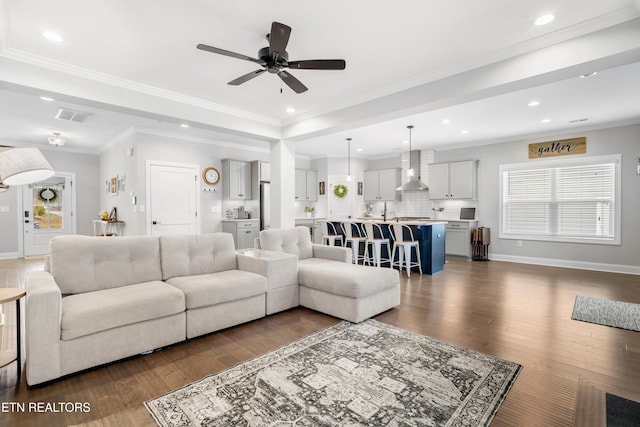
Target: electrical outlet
519 243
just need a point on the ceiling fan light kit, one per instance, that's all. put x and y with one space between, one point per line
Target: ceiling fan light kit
274 59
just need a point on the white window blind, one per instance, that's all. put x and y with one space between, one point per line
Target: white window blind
562 200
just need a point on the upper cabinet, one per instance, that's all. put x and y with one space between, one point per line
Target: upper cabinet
237 180
457 180
306 185
381 184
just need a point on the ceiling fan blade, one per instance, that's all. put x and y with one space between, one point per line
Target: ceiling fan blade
246 77
292 82
278 38
228 53
318 64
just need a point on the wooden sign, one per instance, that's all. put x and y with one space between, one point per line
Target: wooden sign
558 148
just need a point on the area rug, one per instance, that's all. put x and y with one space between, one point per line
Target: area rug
622 412
618 314
349 374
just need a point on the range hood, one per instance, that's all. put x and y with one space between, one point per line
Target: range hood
414 183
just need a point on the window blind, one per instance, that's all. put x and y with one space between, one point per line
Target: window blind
560 200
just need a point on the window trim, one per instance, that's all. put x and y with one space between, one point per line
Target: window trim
554 163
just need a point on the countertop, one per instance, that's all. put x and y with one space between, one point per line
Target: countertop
240 219
313 218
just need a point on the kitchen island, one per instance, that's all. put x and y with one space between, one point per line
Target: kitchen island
429 232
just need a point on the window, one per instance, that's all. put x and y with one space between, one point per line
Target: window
575 200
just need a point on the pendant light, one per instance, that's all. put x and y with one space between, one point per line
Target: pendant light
348 159
414 182
23 166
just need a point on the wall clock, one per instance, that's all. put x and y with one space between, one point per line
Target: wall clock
210 176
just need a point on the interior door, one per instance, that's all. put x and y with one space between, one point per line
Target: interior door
48 208
172 198
339 207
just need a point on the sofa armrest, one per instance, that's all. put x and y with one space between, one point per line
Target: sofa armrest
280 269
43 314
334 253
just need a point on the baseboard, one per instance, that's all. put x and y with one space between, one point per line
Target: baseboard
9 255
581 265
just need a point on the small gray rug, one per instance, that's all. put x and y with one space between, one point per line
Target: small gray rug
618 314
369 373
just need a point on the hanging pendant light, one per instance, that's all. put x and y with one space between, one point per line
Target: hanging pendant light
20 166
348 159
414 182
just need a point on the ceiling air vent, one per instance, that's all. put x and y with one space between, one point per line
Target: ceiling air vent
74 116
578 120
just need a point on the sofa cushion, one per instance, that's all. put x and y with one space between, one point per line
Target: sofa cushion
349 280
209 289
194 254
85 264
90 312
295 241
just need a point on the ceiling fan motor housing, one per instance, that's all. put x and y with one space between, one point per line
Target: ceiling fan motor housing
273 65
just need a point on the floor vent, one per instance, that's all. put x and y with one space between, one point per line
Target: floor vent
74 116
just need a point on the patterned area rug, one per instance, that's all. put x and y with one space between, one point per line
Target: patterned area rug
349 374
618 314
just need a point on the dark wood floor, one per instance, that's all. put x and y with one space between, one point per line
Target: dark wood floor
517 312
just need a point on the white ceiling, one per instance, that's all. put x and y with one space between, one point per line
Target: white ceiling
134 65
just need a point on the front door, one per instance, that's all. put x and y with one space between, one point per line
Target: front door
172 191
339 207
47 212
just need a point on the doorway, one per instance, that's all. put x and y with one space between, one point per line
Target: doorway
48 210
172 198
339 207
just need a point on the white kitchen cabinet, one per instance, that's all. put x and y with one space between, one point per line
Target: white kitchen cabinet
457 180
458 238
236 180
380 185
244 231
306 185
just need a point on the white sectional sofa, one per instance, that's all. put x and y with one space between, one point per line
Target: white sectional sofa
101 300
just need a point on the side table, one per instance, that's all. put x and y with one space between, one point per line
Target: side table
8 356
281 271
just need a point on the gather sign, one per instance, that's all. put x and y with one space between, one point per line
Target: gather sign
558 148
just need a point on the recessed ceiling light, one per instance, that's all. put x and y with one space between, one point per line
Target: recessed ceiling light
534 103
290 110
359 149
46 98
405 142
584 76
446 121
54 37
544 19
184 125
545 120
464 132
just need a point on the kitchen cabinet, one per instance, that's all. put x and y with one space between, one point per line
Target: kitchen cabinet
457 180
236 180
306 185
244 231
380 185
458 237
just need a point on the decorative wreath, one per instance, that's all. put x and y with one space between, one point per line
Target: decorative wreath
340 190
48 195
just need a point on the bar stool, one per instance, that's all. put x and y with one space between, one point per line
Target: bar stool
403 242
370 230
353 240
329 234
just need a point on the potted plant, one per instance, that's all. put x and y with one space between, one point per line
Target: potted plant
309 211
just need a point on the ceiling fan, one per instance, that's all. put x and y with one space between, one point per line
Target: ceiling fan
274 59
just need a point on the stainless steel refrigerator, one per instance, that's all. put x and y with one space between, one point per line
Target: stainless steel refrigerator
265 206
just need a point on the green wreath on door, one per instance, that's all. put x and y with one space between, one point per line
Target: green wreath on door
48 195
340 191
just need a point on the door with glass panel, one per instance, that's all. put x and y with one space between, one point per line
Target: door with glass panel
47 212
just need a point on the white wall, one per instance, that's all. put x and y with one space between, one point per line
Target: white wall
624 140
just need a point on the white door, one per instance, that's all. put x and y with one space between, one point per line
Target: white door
339 207
172 198
48 211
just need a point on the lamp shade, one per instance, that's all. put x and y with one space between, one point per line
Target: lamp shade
20 166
